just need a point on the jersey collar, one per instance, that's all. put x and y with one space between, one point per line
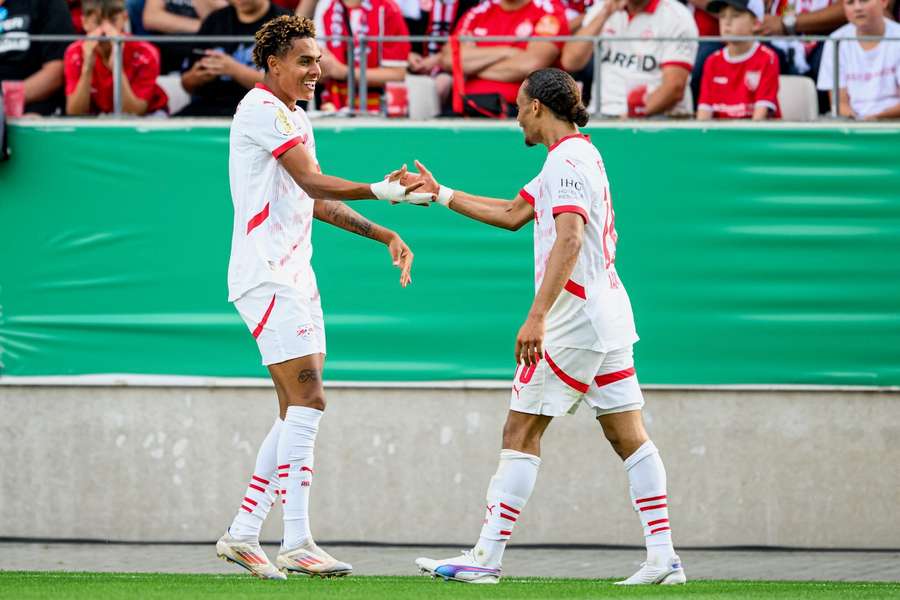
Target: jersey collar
649 9
569 137
266 88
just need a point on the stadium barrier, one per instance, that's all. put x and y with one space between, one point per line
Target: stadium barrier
357 88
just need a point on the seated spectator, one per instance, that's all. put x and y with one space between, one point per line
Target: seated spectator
494 71
38 64
89 78
639 78
425 59
869 72
177 17
740 81
707 26
220 75
357 18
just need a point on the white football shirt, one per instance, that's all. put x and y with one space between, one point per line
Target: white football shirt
872 77
626 65
593 312
272 237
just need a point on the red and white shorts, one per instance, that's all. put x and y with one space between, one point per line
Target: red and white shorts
285 323
565 377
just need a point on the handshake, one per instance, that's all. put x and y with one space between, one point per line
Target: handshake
420 188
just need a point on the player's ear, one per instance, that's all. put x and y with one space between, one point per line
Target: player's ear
272 62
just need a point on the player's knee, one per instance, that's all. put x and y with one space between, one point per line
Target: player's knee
518 436
619 442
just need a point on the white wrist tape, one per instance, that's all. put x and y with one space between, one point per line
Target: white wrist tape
445 194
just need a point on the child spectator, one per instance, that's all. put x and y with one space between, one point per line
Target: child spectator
869 72
740 81
88 66
357 18
221 75
38 65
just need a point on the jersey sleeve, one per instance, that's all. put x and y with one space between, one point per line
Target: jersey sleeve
680 53
269 126
468 22
531 190
567 188
767 92
143 83
73 60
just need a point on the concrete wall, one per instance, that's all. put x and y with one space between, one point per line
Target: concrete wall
806 469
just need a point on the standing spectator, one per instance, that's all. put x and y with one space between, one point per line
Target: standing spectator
88 68
740 81
358 18
177 17
220 76
38 64
869 71
494 70
646 77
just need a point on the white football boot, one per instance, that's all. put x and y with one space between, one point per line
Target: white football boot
248 555
664 572
309 559
459 568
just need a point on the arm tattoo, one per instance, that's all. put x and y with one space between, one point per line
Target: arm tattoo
346 218
307 375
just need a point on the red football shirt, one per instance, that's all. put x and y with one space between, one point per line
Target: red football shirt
140 63
733 86
364 20
537 18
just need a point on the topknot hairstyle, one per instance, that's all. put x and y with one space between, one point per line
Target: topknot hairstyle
556 90
275 37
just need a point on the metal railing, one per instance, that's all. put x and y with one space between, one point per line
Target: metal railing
358 86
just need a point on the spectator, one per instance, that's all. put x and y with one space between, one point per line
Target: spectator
358 18
494 71
798 17
741 80
707 25
868 71
38 64
88 68
426 58
642 78
177 17
220 76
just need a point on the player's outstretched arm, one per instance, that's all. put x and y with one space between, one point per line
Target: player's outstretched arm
493 211
300 165
560 263
340 215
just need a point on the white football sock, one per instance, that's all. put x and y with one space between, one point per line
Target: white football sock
647 477
261 490
295 471
507 494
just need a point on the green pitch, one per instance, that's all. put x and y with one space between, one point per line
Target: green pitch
115 586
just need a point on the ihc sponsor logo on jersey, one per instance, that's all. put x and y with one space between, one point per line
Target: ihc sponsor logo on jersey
564 183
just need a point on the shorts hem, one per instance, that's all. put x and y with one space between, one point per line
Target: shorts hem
602 412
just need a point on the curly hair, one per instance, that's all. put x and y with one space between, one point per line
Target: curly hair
556 90
275 37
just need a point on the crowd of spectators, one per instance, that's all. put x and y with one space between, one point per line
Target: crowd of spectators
651 64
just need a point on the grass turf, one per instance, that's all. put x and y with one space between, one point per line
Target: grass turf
114 586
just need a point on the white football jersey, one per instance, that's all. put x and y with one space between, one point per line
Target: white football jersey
272 238
593 312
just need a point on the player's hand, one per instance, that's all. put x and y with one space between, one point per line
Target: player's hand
393 190
530 342
402 257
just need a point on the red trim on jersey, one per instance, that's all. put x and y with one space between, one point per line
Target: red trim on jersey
568 137
505 506
575 289
277 152
567 379
609 378
262 323
677 63
571 208
649 9
264 87
258 219
528 197
651 499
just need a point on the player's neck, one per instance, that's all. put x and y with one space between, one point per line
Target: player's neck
273 87
556 131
